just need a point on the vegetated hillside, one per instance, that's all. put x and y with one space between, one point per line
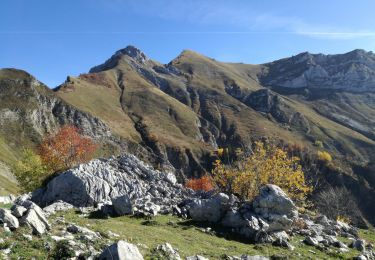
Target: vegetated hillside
183 110
190 106
28 111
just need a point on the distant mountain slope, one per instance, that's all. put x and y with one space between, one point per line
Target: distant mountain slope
353 71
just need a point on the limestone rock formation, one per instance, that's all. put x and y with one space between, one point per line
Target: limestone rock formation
121 251
104 180
7 218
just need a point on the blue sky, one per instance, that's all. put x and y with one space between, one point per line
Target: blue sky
53 39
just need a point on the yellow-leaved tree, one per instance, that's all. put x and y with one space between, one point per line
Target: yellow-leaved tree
30 171
268 164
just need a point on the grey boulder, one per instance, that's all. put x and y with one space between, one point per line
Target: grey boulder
57 206
34 218
166 251
272 200
122 205
273 205
210 210
121 251
7 218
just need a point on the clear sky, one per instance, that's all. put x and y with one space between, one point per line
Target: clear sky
55 38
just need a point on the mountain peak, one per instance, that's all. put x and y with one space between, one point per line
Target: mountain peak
133 52
130 51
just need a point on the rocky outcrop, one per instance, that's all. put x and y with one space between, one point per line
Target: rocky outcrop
273 104
271 212
126 181
276 207
209 210
41 111
353 71
121 251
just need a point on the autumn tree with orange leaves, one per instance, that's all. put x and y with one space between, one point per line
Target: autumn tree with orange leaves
66 149
201 184
57 152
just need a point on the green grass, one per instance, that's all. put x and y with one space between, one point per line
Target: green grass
183 235
190 240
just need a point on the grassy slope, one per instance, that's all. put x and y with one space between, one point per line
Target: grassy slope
245 76
142 98
139 98
13 135
181 234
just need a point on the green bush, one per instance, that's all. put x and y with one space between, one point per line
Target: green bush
30 171
62 250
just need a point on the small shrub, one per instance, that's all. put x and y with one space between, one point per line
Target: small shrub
62 250
338 203
319 144
299 224
324 156
204 184
5 245
344 219
220 152
30 171
153 138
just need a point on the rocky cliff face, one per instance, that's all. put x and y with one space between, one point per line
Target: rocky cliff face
29 110
26 101
353 71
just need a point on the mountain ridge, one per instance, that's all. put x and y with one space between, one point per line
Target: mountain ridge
177 114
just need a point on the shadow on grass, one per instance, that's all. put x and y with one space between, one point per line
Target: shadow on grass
98 214
214 230
204 227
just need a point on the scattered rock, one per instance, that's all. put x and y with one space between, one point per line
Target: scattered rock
36 221
57 206
359 244
112 234
166 251
121 251
196 257
90 235
311 241
7 218
27 237
122 205
18 211
249 257
34 216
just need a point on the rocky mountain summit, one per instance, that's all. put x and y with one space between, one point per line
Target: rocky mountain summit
126 186
353 71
